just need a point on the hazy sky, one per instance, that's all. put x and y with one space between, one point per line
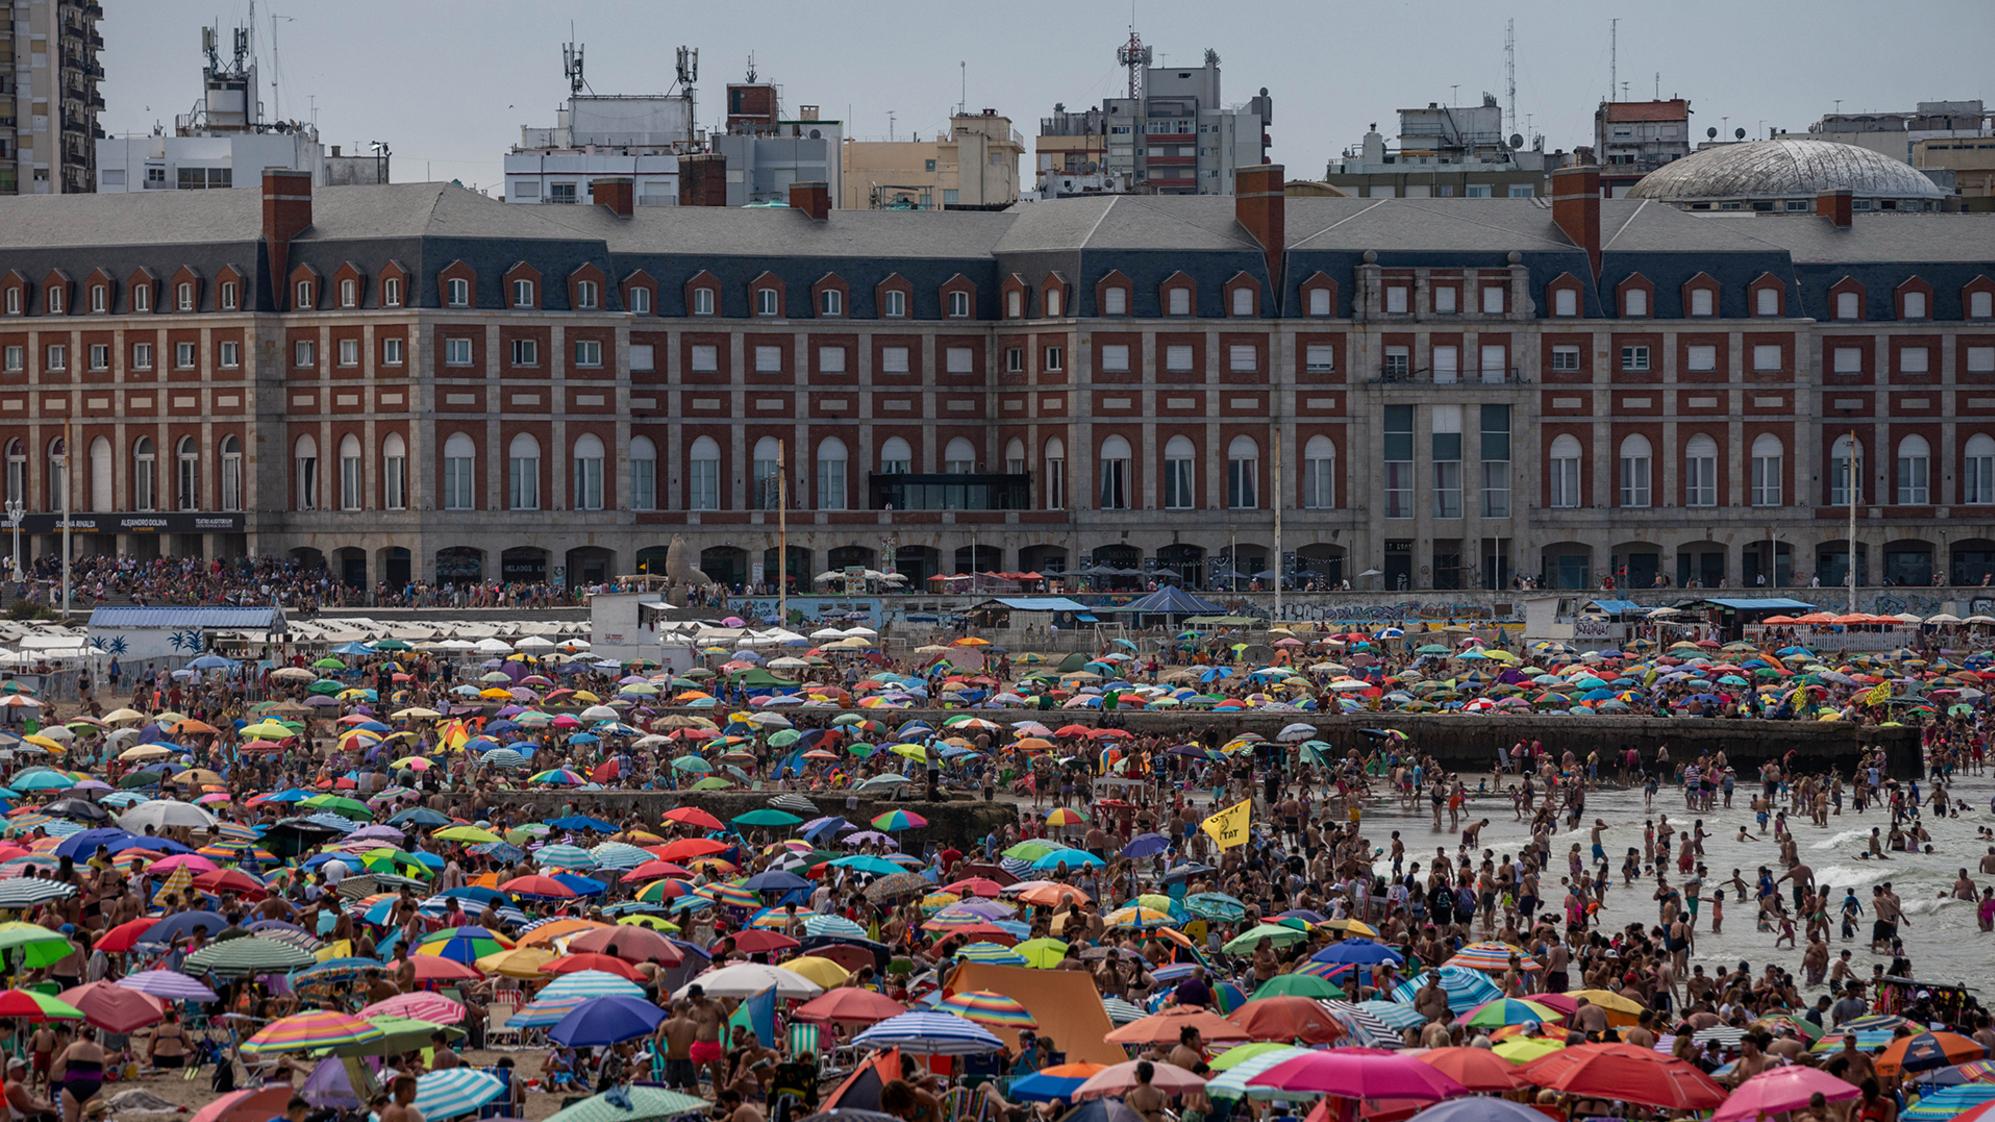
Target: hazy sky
448 83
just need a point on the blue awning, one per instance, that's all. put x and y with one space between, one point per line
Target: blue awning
1039 604
1615 607
1761 604
238 619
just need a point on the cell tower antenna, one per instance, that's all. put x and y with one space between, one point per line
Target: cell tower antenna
1613 56
1510 70
571 63
1135 57
751 71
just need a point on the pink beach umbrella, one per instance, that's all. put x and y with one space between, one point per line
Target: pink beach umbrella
1119 1078
1781 1090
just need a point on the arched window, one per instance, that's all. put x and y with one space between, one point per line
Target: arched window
17 472
1915 460
187 474
1113 475
959 457
1180 466
1014 457
1563 472
58 477
103 476
1845 471
643 456
1637 466
1977 470
1700 471
831 474
1635 303
145 475
306 454
394 472
523 472
1319 474
460 472
703 477
588 472
231 473
767 474
1769 467
1054 492
1243 473
351 494
896 458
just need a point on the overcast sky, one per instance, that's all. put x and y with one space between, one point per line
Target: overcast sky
448 83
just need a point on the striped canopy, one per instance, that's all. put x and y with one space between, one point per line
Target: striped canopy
250 955
930 1034
454 1091
305 1032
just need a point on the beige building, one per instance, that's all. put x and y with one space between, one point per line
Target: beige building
48 95
975 166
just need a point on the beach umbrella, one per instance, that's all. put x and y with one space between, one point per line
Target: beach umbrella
1490 957
585 984
1287 1019
161 814
746 979
1121 1012
631 944
640 1104
1117 1079
1925 1051
987 1007
1299 985
1359 1073
309 1031
461 944
1465 988
1624 1072
1057 1082
27 1005
1969 1102
1780 1090
168 985
254 1104
1163 1027
849 1006
247 956
455 1091
1524 1049
1278 934
26 892
1478 1109
930 1034
113 1008
1358 952
1502 1011
607 1020
1478 1069
895 820
419 1006
820 970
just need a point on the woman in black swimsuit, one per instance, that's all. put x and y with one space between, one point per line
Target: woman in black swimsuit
80 1072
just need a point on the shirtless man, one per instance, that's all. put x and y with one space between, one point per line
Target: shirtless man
1751 1061
402 1107
680 1032
1803 877
706 1051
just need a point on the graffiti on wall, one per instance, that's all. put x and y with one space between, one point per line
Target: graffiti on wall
838 611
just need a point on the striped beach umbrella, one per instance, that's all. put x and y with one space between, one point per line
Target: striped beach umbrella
1509 1011
557 777
632 1104
732 895
545 1012
455 1091
987 1007
305 1032
1232 1083
461 944
420 1006
894 820
564 857
1121 1012
836 927
994 954
26 892
170 985
928 1033
1465 988
1065 816
246 957
1491 957
589 983
27 1005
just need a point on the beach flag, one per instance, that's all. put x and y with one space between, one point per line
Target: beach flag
1879 694
1229 827
758 1015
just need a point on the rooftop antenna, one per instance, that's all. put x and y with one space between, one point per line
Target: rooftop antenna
1510 69
1134 57
571 63
276 68
1454 94
751 71
688 68
1658 85
890 123
963 95
1613 56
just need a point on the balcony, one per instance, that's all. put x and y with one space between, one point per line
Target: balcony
1498 376
970 491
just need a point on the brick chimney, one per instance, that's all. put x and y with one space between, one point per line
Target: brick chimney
1838 205
1576 209
703 179
617 193
813 197
1261 206
287 212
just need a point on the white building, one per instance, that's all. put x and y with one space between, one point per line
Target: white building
1178 137
595 135
225 140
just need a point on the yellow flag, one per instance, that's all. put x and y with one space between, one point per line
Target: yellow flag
1879 694
1229 826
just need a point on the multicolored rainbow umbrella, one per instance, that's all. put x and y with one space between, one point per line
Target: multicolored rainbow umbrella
462 944
732 895
558 777
987 1007
898 820
305 1032
27 1005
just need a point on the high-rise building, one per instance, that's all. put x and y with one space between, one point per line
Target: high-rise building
1952 142
48 95
1633 138
1446 151
974 166
226 141
1170 134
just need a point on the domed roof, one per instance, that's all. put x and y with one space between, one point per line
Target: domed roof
1784 167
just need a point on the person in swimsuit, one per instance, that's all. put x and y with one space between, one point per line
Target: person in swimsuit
79 1070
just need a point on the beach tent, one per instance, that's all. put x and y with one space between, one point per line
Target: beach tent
1064 1002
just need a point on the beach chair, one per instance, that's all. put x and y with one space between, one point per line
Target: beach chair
499 1026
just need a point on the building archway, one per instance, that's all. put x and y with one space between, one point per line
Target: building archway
917 563
725 565
651 559
800 571
846 557
979 558
590 564
1046 560
1567 565
460 564
1753 564
1320 563
1184 561
1635 564
396 568
349 565
1832 563
1908 561
523 564
1239 565
1702 563
308 558
1973 560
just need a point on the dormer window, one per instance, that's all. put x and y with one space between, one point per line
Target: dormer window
1703 302
1635 303
1565 303
14 300
1178 303
640 300
585 294
1914 306
766 303
895 306
349 293
460 292
1014 304
56 300
703 301
959 305
1052 303
183 296
231 298
522 294
142 298
1766 301
304 294
831 302
1115 301
100 299
391 292
1243 301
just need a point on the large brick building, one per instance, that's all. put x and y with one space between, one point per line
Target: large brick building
414 380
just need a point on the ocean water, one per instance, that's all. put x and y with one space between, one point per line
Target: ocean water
1941 936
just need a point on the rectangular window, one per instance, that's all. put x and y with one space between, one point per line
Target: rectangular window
349 293
895 304
1981 360
141 356
1565 359
349 483
893 360
705 358
588 352
703 485
14 300
959 360
100 356
1766 302
229 353
1054 360
959 305
457 471
703 301
643 483
1565 302
1702 302
523 482
1056 482
1398 457
1700 480
395 482
1634 359
831 303
522 294
1317 358
1115 484
585 294
1766 480
349 352
183 356
1243 482
1564 480
640 300
1495 364
391 295
1492 300
831 482
643 356
831 360
391 351
457 351
1178 489
1319 302
1447 299
588 482
1913 470
304 354
1115 301
1915 305
1243 301
1115 358
1178 302
1635 473
1243 358
231 298
1496 461
1395 300
1014 360
1981 305
526 352
1447 365
768 359
1398 364
1767 357
303 295
1446 445
142 297
1914 360
1700 358
100 299
58 357
16 359
1849 305
1848 360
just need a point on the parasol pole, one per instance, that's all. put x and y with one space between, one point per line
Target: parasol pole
68 473
1278 523
782 533
1854 483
